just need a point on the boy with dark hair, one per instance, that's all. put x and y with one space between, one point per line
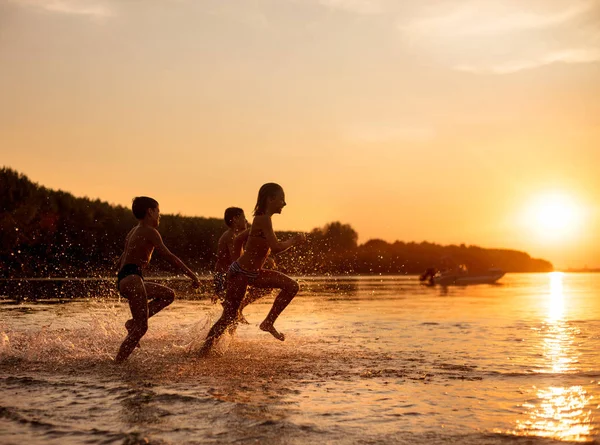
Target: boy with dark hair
139 245
228 250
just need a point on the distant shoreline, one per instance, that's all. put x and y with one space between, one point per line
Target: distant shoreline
582 270
55 234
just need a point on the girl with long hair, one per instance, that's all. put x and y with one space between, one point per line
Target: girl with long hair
248 269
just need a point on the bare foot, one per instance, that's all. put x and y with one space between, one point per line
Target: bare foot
241 319
268 327
206 349
232 327
129 327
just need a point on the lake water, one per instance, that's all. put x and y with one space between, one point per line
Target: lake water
367 360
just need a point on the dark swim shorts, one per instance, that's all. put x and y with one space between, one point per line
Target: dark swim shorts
220 284
129 269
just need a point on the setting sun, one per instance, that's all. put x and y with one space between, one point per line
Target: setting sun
555 216
300 221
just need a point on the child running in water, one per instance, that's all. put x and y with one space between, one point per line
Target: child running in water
248 269
229 248
139 245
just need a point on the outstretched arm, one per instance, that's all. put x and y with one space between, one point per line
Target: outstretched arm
172 258
276 245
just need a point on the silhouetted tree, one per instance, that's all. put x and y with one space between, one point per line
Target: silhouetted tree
52 233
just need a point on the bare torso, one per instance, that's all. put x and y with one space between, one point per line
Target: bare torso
138 247
256 249
224 258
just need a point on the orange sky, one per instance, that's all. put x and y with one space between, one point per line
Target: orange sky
446 121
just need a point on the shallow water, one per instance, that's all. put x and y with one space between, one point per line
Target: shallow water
366 360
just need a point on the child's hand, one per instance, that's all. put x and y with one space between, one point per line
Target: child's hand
195 283
300 238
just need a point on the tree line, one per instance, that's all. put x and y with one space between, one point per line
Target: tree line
48 233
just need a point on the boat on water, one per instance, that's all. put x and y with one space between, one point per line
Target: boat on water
450 278
460 276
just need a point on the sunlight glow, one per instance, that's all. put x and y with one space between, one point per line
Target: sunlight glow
554 216
562 413
558 335
557 412
556 301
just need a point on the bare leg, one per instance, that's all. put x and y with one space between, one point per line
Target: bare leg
129 327
240 318
236 288
161 296
133 288
289 289
253 294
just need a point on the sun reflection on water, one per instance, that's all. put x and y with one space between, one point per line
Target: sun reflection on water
556 302
558 339
558 412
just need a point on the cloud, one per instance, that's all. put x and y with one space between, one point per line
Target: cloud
89 8
579 55
474 19
505 37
